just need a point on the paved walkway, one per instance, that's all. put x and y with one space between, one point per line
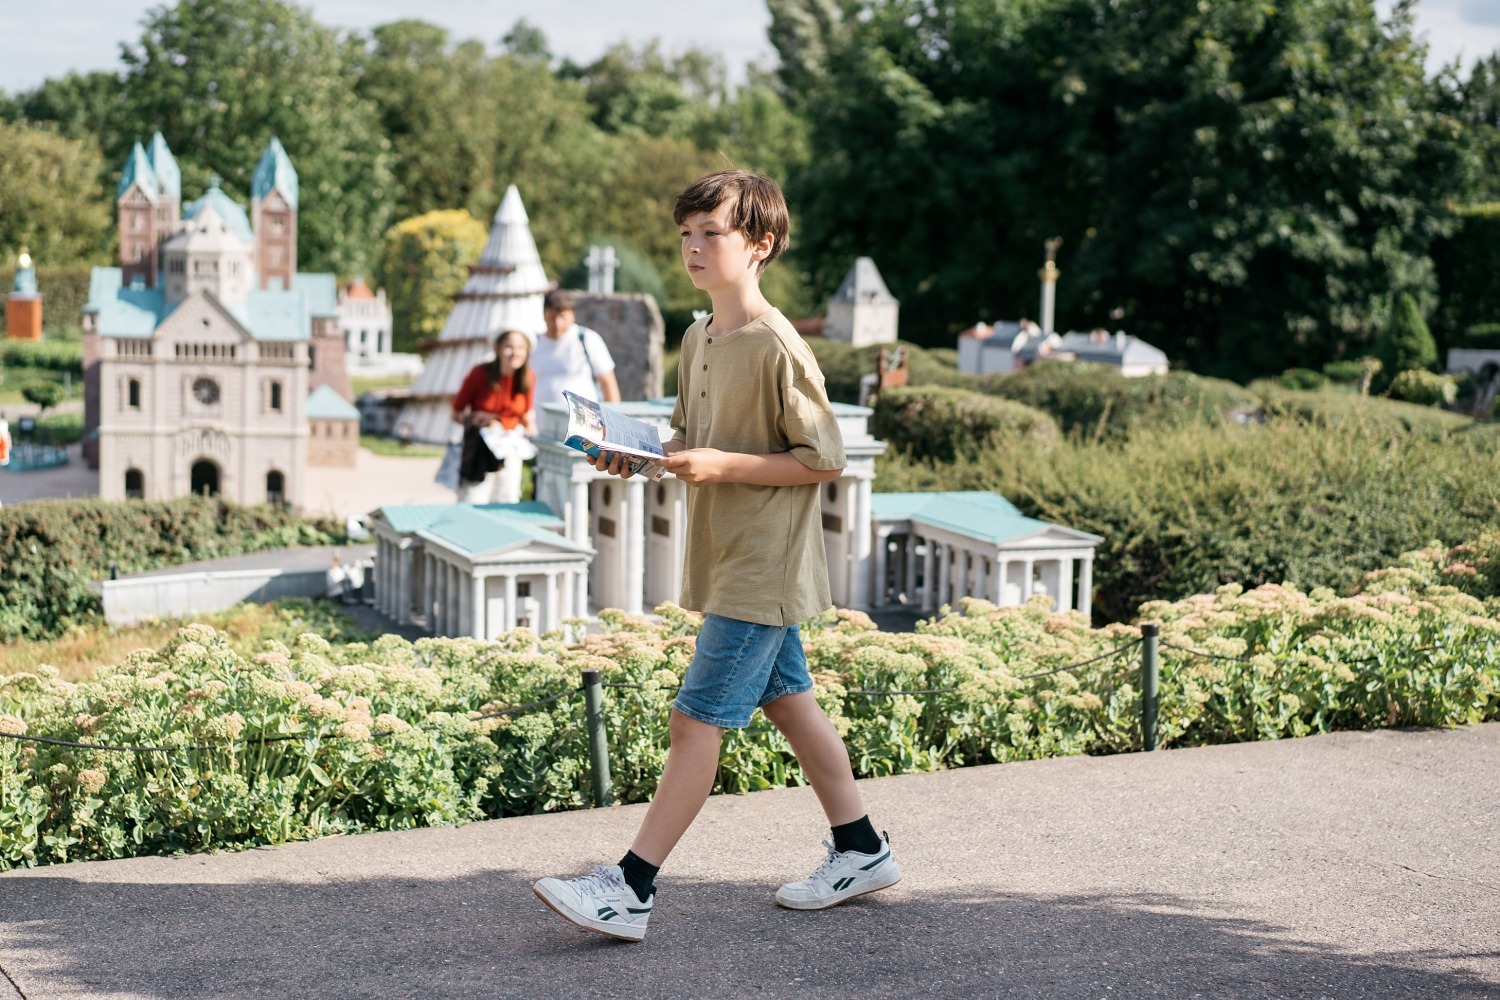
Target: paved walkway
1352 865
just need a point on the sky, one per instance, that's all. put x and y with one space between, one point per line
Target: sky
45 40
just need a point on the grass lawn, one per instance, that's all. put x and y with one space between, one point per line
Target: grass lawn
368 383
397 449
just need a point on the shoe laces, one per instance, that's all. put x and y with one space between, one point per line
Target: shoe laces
603 878
828 864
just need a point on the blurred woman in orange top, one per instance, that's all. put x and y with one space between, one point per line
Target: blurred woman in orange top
499 391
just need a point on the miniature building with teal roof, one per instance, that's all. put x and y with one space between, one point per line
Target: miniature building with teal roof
198 345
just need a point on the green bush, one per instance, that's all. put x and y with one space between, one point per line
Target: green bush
53 550
306 740
1322 410
1342 372
1100 402
1404 343
946 424
1302 378
1423 388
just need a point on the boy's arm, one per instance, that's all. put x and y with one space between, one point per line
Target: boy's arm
703 466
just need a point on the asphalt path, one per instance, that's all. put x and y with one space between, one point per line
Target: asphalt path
1351 865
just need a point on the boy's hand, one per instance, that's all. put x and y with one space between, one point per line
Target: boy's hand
613 463
699 466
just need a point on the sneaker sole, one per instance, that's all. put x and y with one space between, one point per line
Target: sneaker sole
875 885
619 932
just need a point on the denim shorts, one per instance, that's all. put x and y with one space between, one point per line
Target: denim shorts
738 667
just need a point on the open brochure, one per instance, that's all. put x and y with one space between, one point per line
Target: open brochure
593 428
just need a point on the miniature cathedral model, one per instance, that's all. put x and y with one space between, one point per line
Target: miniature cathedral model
197 346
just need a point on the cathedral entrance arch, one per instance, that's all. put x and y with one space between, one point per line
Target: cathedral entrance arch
204 478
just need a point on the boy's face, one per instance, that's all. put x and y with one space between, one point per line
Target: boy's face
718 256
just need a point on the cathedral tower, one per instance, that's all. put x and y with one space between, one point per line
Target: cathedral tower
273 214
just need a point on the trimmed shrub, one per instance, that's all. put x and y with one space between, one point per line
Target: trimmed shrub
1404 343
1098 401
947 424
1343 372
1302 378
1423 388
53 550
49 355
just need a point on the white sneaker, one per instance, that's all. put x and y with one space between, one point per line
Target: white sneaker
841 876
602 902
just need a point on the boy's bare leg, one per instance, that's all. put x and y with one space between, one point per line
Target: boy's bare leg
686 781
821 752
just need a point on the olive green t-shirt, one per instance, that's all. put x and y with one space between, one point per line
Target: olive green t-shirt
755 553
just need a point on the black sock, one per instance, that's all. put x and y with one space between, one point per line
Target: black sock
858 836
639 875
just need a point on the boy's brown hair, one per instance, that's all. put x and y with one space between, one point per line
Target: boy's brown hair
759 207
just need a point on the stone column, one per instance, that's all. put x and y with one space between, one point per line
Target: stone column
1065 585
509 619
859 591
929 576
909 564
1026 580
429 592
945 576
1086 586
478 617
578 513
634 517
879 588
551 616
403 585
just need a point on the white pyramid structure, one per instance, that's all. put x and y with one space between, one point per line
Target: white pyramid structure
504 292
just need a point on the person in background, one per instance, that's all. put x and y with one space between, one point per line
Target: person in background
499 391
569 356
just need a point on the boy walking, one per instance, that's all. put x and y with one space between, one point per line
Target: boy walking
754 436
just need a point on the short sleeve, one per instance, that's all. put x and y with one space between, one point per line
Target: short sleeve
810 427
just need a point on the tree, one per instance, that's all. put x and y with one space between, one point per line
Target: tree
219 78
50 199
1241 184
423 264
1405 343
44 395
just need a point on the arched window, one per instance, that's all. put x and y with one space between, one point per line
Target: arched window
133 393
275 487
135 485
275 397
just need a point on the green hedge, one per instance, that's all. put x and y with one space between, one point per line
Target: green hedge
946 424
52 550
48 355
390 735
1099 402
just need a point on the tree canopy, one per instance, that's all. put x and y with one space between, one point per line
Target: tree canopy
1248 186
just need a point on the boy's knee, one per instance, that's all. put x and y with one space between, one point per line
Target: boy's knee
684 727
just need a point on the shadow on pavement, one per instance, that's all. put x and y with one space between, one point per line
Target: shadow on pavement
487 936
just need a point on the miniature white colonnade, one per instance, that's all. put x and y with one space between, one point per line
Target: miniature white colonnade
933 549
478 570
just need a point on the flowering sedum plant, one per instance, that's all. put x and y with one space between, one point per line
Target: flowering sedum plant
306 739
